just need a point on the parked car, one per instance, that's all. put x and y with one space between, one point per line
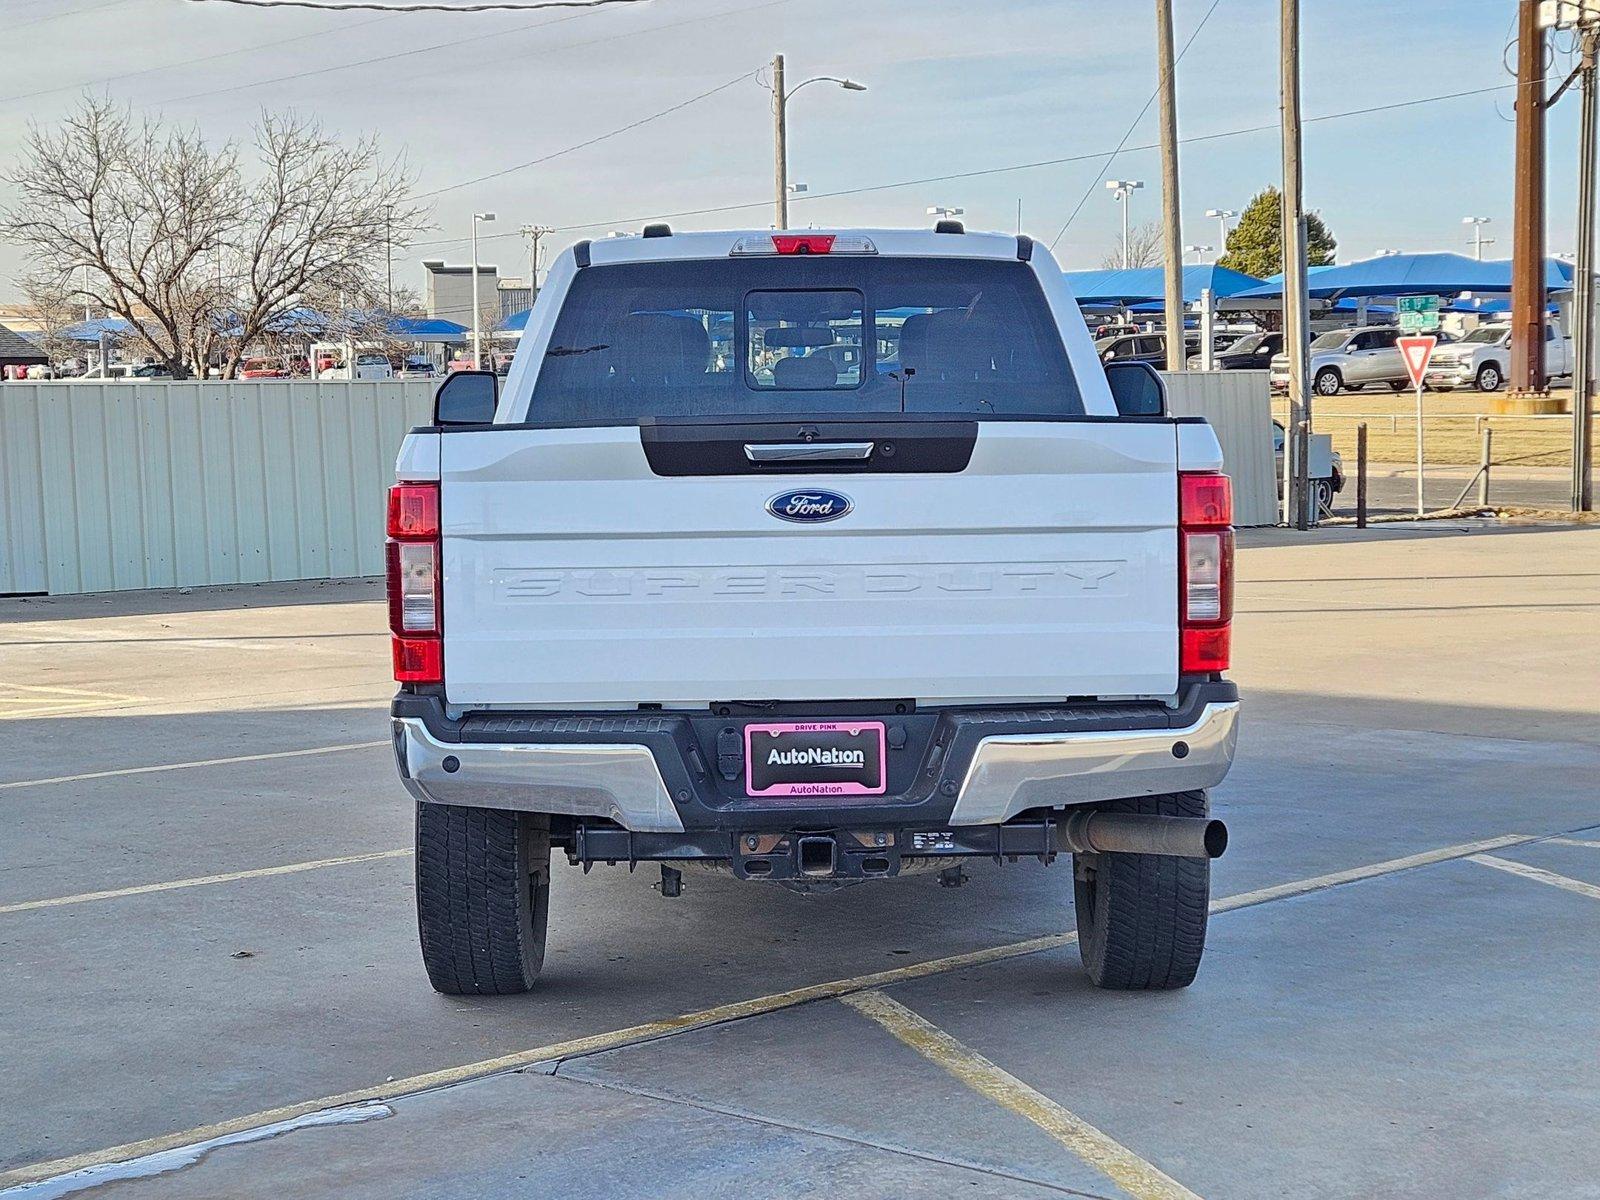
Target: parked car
963 634
150 370
1350 359
1252 352
1482 359
263 368
1141 347
1326 463
374 366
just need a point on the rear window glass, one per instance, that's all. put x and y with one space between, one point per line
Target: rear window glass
804 334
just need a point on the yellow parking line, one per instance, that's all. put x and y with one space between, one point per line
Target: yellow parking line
183 766
145 889
1127 1170
1538 874
717 1015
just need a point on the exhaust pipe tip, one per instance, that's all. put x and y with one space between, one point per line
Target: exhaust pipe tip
1095 832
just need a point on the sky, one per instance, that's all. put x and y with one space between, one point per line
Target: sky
954 88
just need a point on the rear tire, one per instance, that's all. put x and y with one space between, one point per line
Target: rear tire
1328 382
1142 917
483 898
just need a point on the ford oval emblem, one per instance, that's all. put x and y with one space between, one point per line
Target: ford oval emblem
808 505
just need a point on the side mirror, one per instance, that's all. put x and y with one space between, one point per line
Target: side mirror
466 398
1137 389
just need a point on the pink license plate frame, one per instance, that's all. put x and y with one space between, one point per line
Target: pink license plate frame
808 790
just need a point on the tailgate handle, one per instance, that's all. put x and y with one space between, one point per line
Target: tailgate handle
795 452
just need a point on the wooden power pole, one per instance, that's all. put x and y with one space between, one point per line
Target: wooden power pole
1528 300
1171 214
780 144
1296 485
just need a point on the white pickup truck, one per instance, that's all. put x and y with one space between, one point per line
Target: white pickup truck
815 558
1482 359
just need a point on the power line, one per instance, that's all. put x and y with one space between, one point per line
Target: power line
71 12
256 48
376 6
533 162
984 171
481 37
1132 125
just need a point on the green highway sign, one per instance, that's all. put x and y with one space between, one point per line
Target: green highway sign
1418 314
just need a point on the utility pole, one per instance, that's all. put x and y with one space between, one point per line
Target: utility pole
780 141
388 251
1583 280
1296 486
1171 219
1527 253
1478 240
533 233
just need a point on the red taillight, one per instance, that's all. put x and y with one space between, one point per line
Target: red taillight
1205 572
414 510
413 561
802 243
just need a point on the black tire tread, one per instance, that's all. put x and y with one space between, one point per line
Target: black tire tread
483 883
1142 917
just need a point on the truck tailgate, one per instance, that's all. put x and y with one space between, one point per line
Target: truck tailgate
575 576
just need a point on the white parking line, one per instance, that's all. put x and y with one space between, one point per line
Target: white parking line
1566 841
1426 858
144 889
183 766
1538 874
1134 1175
720 1014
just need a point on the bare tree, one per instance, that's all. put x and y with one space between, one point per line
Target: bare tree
322 215
1144 248
198 258
52 304
139 204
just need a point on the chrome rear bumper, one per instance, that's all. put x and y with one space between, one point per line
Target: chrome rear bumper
1008 774
1015 772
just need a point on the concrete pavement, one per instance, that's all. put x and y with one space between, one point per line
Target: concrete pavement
1410 691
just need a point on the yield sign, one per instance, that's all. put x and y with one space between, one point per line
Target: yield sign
1415 352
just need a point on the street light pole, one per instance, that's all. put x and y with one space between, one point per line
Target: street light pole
780 130
1222 216
1123 189
477 320
1199 252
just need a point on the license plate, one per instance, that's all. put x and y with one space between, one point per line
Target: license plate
814 758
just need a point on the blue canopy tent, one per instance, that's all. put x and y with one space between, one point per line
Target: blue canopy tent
513 325
1439 274
1141 285
427 329
90 331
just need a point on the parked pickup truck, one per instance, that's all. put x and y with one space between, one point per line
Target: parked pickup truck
813 558
1482 359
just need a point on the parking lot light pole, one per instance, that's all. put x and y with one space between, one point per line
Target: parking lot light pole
1222 216
1199 252
477 319
1123 190
940 212
780 129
